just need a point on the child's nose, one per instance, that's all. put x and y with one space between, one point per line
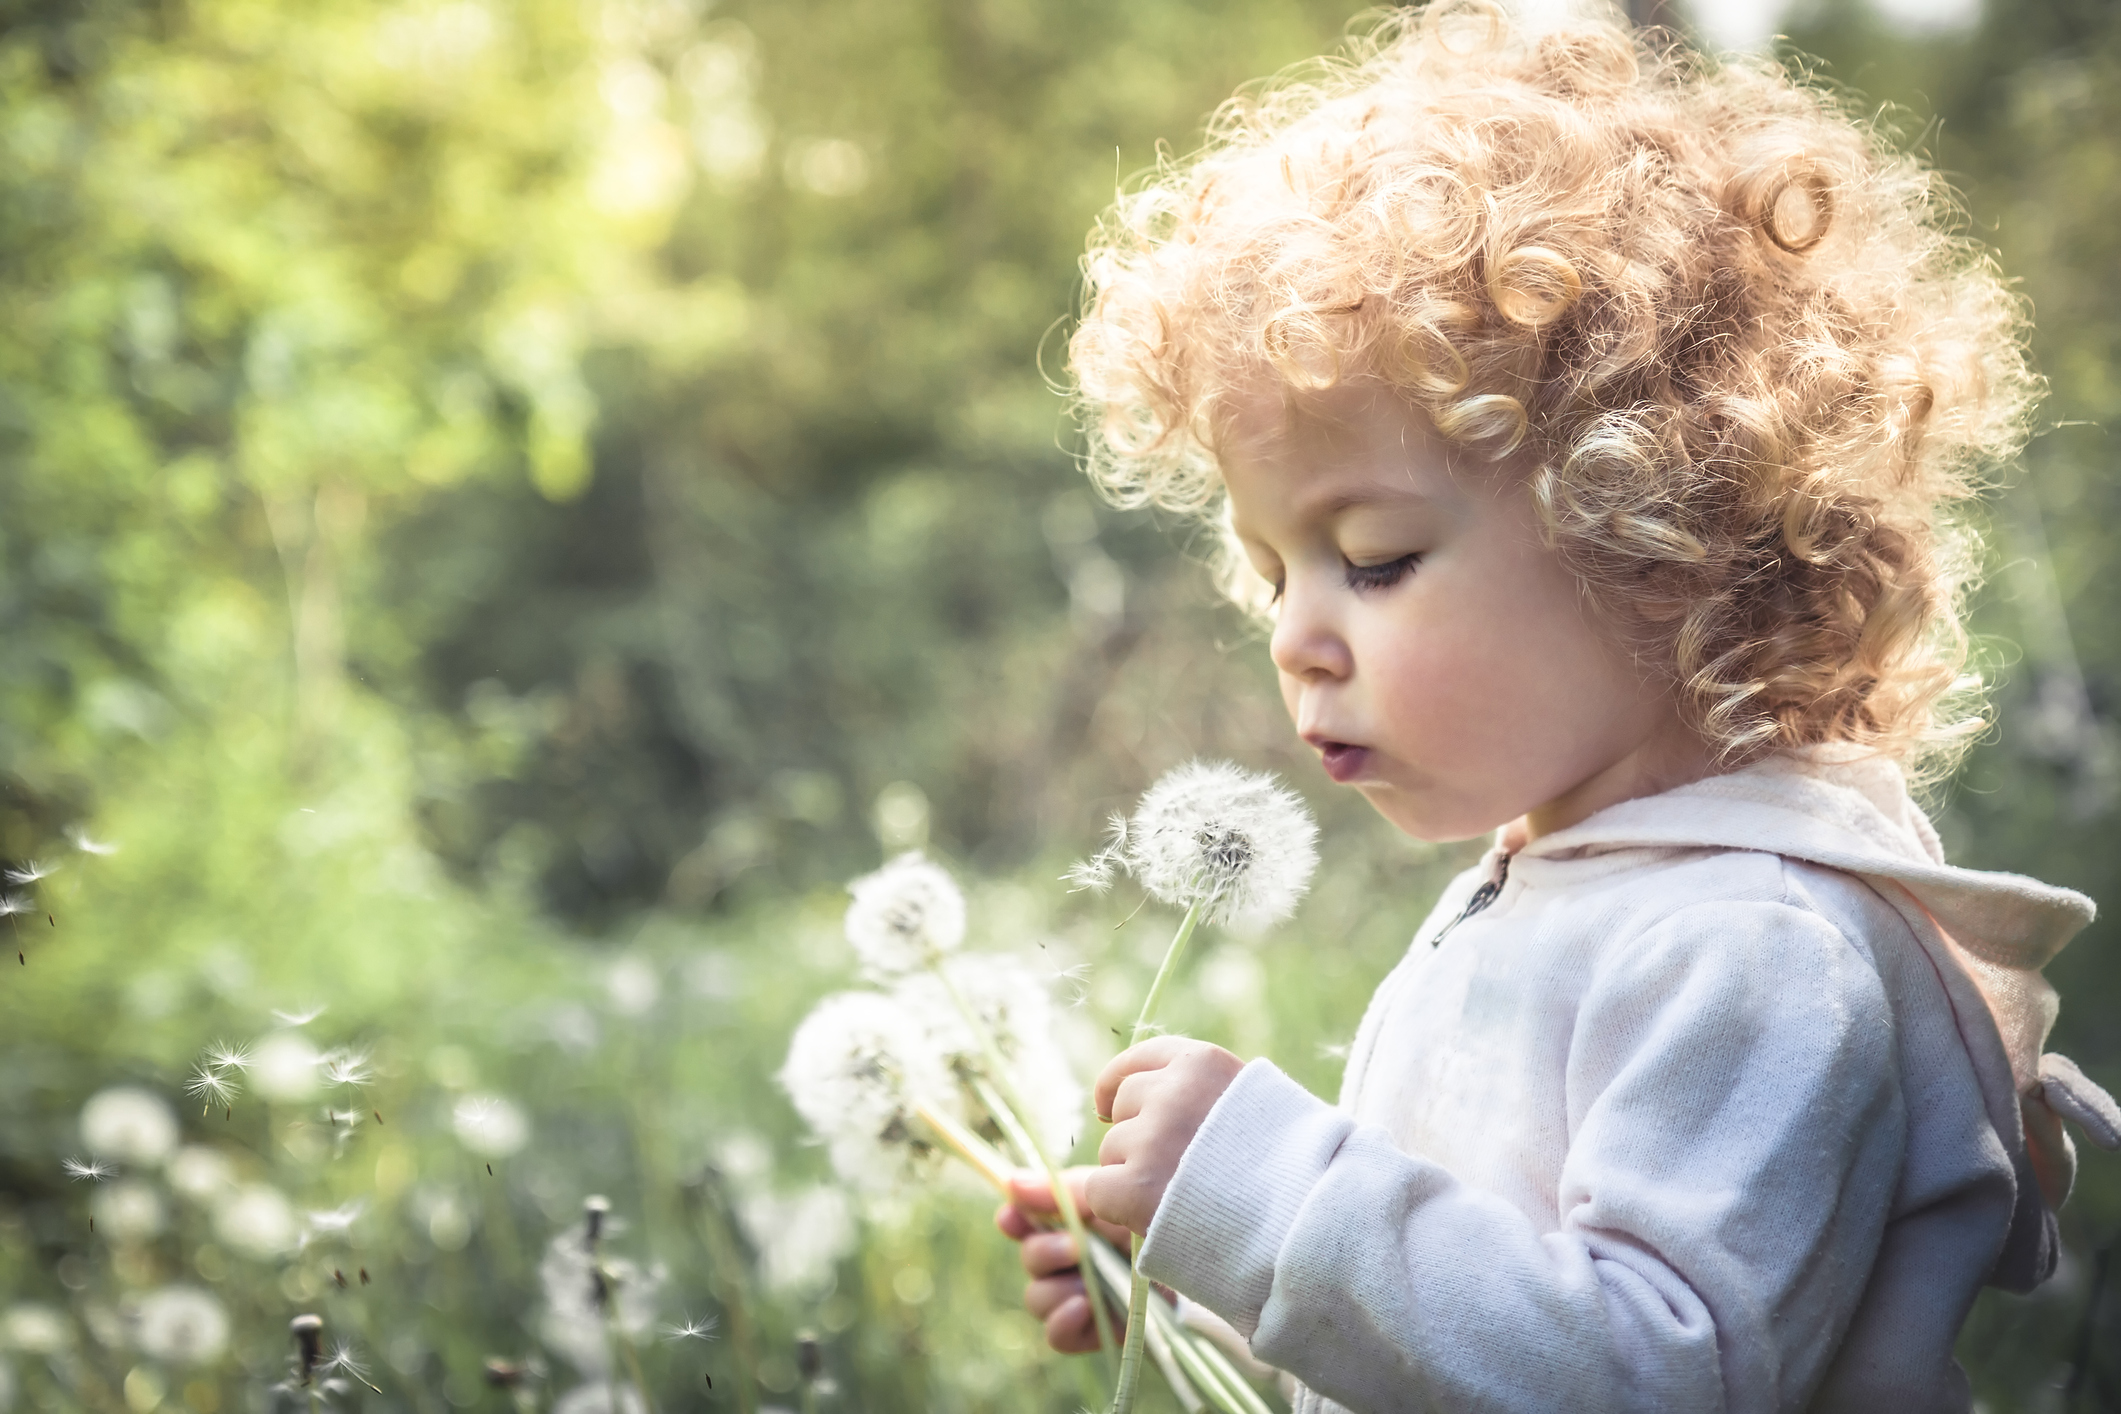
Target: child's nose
1307 643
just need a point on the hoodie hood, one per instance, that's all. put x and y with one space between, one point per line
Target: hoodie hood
1851 812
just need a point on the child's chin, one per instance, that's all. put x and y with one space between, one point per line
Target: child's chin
1427 820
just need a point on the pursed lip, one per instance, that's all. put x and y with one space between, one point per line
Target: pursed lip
1343 760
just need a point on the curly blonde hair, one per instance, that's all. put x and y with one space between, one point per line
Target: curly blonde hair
1725 329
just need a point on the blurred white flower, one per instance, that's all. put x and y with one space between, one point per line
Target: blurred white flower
129 1210
904 916
583 1291
35 1329
744 1158
1209 833
800 1237
129 1124
857 1067
181 1325
257 1219
1011 1001
597 1399
200 1173
285 1067
490 1125
633 985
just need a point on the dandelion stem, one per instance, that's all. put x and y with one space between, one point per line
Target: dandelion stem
1013 1106
967 1146
1130 1362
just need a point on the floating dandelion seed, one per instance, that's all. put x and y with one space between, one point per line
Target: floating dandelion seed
904 916
297 1018
12 904
1234 844
223 1056
211 1086
82 842
94 1170
859 1069
347 1067
690 1329
29 872
336 1220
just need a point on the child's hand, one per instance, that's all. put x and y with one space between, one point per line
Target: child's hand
1156 1095
1055 1294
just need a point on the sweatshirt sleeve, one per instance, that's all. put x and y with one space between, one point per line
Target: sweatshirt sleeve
1734 1137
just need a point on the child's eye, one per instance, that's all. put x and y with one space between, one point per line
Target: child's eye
1381 576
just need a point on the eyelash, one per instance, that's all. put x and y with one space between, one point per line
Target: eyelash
1382 576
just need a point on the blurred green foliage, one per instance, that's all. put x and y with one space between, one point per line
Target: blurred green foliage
504 505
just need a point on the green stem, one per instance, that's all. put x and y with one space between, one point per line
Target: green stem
1013 1107
1163 973
1130 1363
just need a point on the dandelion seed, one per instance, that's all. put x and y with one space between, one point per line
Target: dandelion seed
29 872
344 1361
223 1056
82 842
211 1086
1233 843
297 1018
13 904
347 1067
859 1068
1096 873
337 1220
690 1329
904 916
364 1276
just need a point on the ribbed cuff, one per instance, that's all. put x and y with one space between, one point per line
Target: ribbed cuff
1239 1186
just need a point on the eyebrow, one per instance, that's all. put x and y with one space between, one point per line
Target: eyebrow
1349 500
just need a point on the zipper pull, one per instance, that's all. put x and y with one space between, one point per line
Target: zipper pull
1483 896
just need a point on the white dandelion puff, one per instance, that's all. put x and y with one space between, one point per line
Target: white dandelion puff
93 1170
12 904
689 1329
297 1018
180 1325
1236 845
588 1296
81 841
859 1068
1010 1001
128 1124
29 872
904 916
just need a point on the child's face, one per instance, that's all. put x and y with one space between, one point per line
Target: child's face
1435 652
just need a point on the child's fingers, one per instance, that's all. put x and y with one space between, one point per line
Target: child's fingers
1049 1254
1152 1054
1071 1329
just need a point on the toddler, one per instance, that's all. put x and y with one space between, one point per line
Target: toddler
1587 417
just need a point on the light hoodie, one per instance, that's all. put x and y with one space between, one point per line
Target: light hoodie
1729 1098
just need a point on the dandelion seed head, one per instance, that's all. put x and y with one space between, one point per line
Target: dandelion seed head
1013 1004
81 841
904 915
584 1289
181 1325
129 1124
92 1170
1234 842
857 1067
